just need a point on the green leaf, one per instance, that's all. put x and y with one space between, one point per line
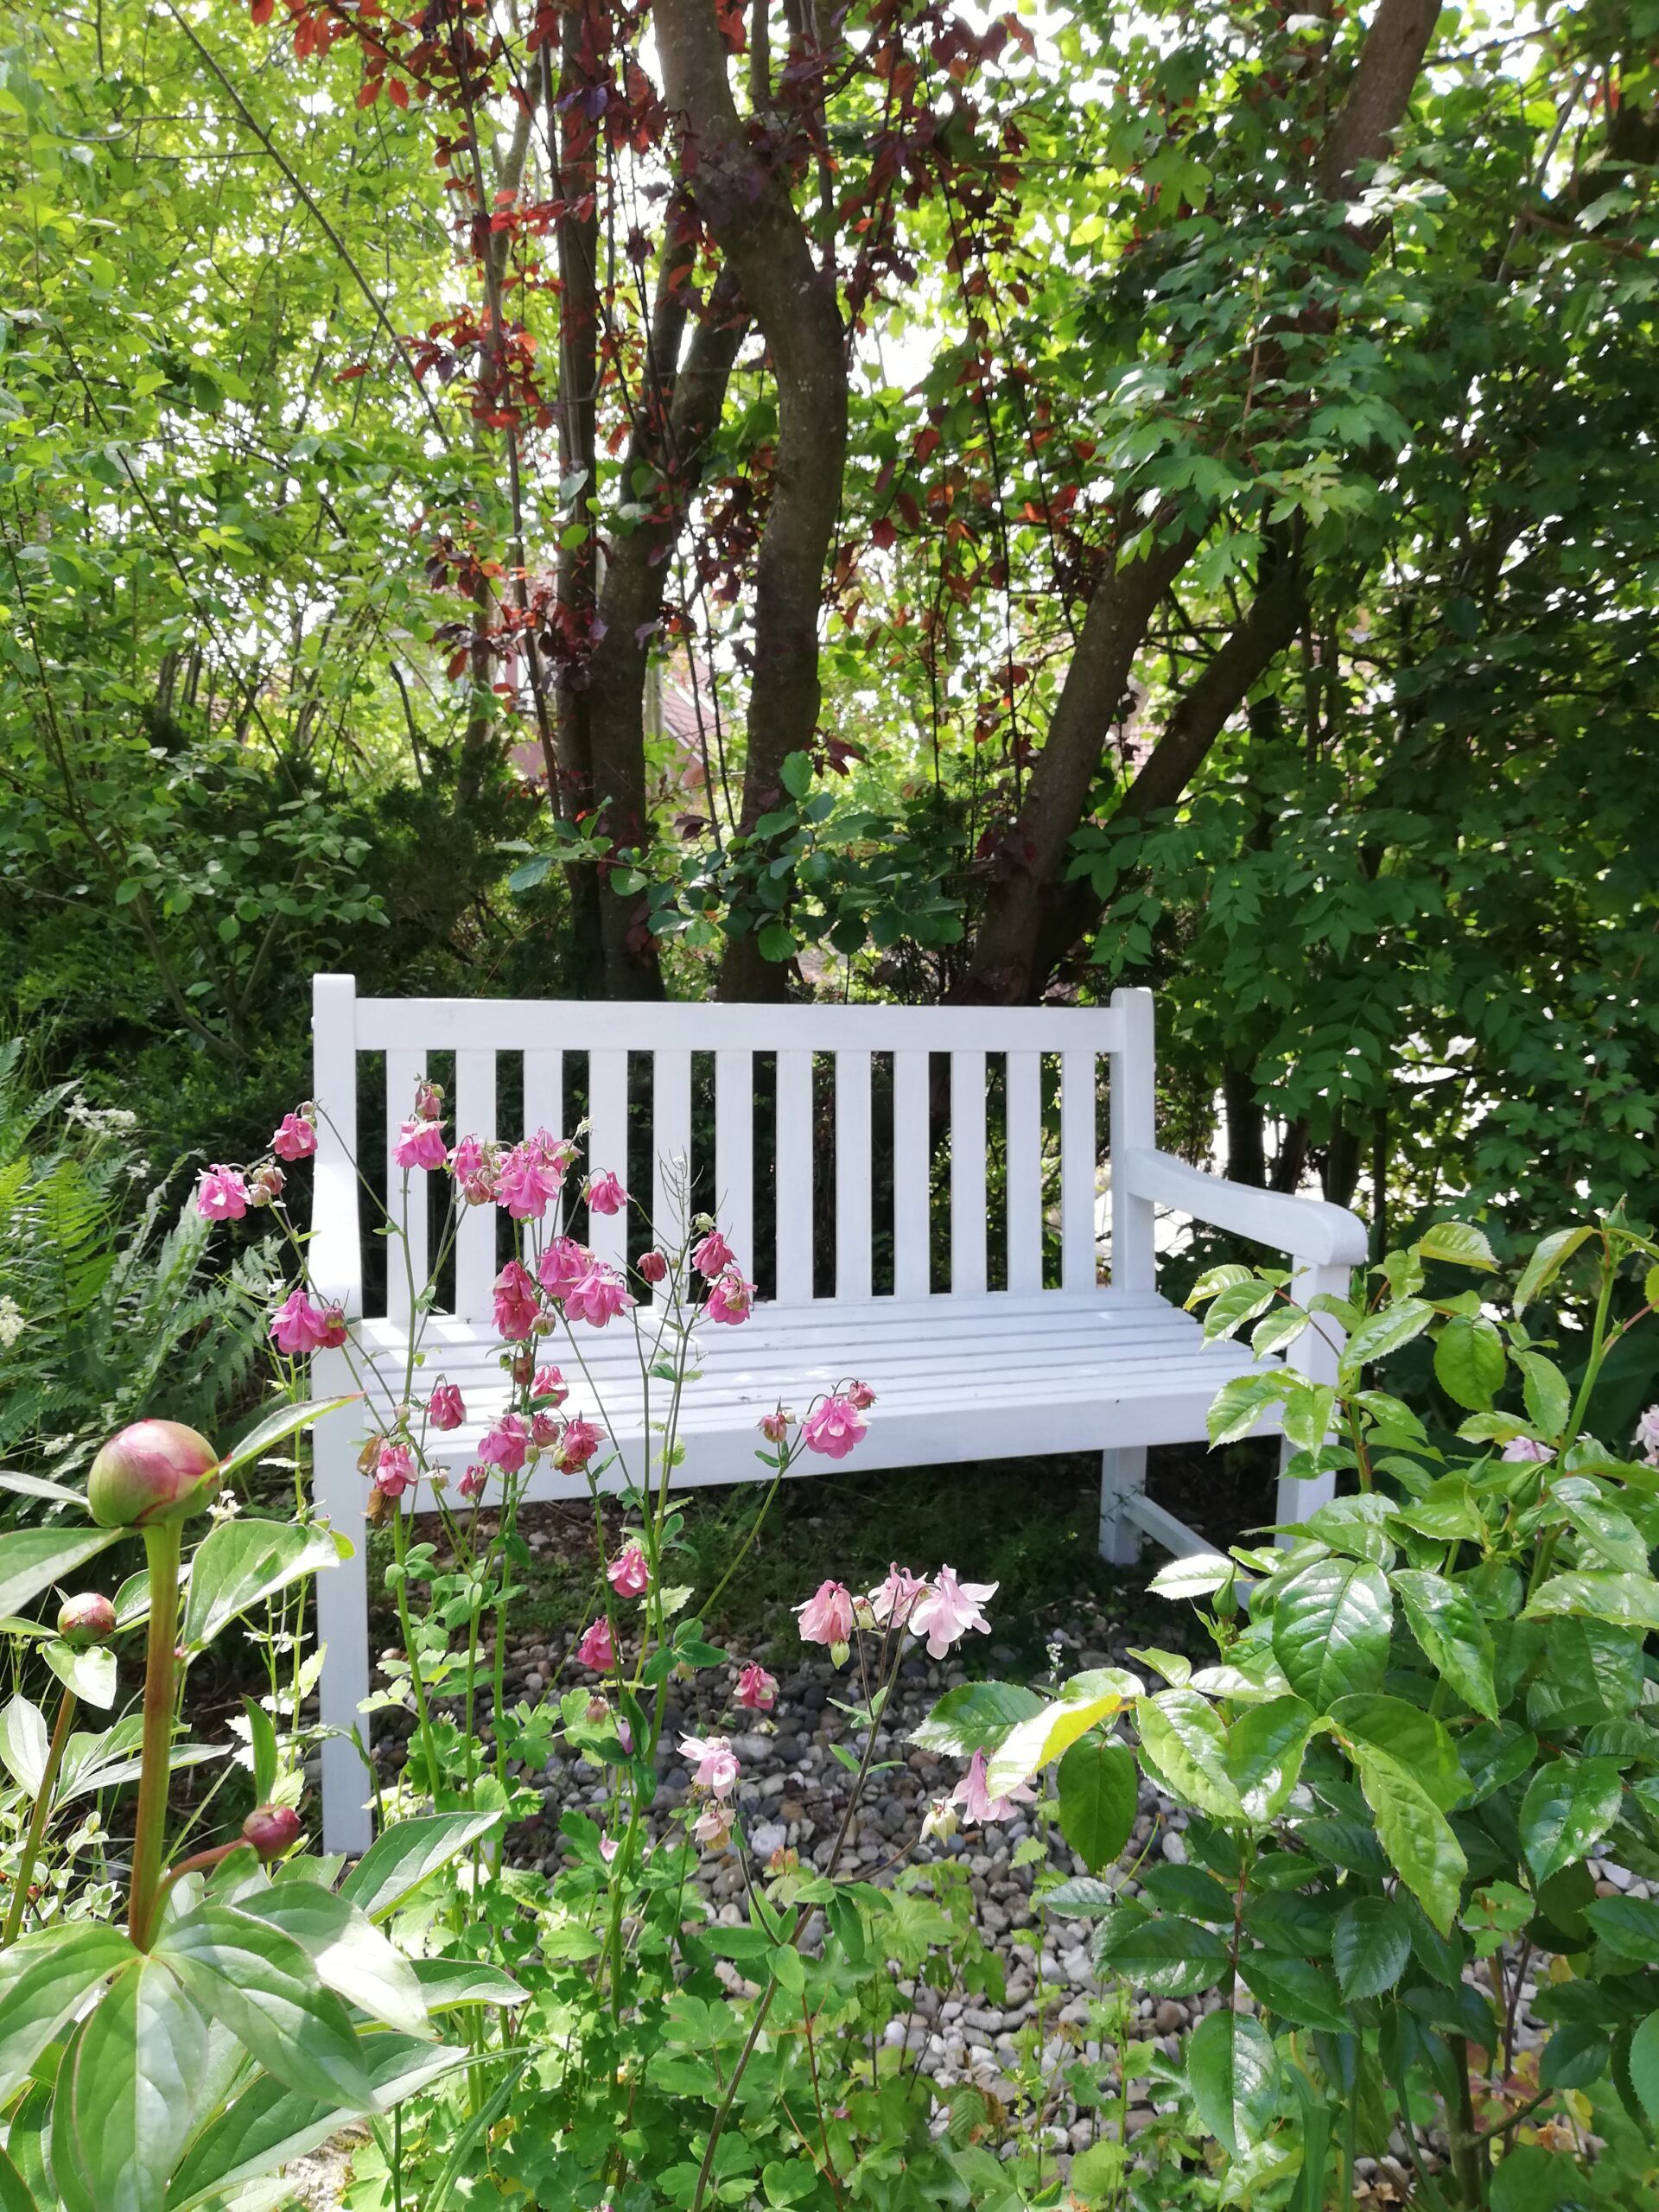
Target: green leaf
32 1559
1469 1362
1369 1946
1170 1957
1596 1594
1550 1400
12 1478
1185 1743
1546 1263
1264 1754
351 1957
1612 1536
89 1674
445 1982
1194 1576
43 1978
1297 1990
1331 1624
1414 1833
1458 1242
786 2181
125 2094
1627 1925
1383 1333
975 1718
266 1990
1240 1404
1455 1639
1082 1896
1233 2071
1644 2061
14 2195
1569 1806
1412 1737
241 1563
1231 1308
1098 1793
795 774
24 1743
787 1968
277 1427
1029 1745
403 1857
261 1744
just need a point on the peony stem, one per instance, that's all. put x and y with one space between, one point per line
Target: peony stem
161 1551
38 1820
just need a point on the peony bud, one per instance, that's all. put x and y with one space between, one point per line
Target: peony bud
271 1829
87 1620
152 1472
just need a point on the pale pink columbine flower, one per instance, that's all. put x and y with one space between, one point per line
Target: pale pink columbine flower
471 1484
596 1649
653 1266
562 1266
428 1100
893 1600
757 1690
505 1445
731 1300
712 1760
394 1470
827 1616
940 1819
714 1255
713 1827
446 1409
605 1194
578 1442
608 1847
298 1325
862 1396
629 1573
335 1331
527 1183
775 1427
949 1609
420 1144
221 1195
976 1801
549 1383
473 1165
296 1136
265 1183
1527 1447
517 1305
598 1298
1647 1436
833 1427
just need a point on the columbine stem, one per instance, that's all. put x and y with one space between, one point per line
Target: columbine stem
162 1548
38 1819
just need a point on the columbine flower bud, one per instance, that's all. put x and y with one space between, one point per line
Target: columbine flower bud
271 1829
265 1183
653 1266
87 1620
152 1472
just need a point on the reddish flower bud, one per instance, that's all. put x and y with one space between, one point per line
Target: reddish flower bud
87 1620
653 1266
152 1472
271 1829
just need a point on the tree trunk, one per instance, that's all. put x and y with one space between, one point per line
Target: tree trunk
1246 1148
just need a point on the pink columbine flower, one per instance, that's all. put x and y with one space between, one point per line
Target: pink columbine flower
827 1616
730 1300
543 1429
221 1195
265 1183
629 1572
298 1325
893 1600
446 1409
949 1609
862 1396
712 1760
1527 1447
428 1100
653 1266
394 1470
774 1426
526 1184
474 1165
976 1801
296 1136
562 1266
713 1827
505 1445
596 1649
834 1427
576 1446
549 1383
471 1484
598 1298
757 1690
1647 1436
517 1305
608 1847
605 1193
420 1144
714 1255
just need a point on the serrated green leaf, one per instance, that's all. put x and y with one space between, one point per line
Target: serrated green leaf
1187 1746
1469 1362
1414 1833
1098 1791
1455 1639
1597 1594
1233 2072
1458 1242
1297 1990
1332 1622
1549 1257
1369 1946
1569 1806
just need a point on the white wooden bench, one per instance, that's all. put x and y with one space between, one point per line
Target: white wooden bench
997 1363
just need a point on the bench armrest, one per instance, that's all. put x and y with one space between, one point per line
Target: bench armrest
1309 1228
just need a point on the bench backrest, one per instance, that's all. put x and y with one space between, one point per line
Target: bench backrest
481 1033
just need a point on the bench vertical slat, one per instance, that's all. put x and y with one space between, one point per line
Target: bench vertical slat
734 1200
475 1231
671 1146
853 1213
1079 1162
910 1178
1134 1260
967 1174
608 1146
545 1093
334 1259
1025 1176
794 1179
405 1189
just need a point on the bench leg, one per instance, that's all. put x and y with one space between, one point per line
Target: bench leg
1121 1471
343 1630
